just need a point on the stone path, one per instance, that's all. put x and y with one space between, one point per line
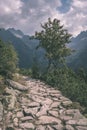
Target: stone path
38 107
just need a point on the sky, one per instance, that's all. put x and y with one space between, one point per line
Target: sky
27 15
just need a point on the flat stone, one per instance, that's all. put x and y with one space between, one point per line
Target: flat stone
12 102
26 125
75 113
81 128
47 101
24 101
71 111
1 111
46 120
39 107
62 98
26 118
82 122
66 103
36 98
33 104
54 91
40 127
16 85
55 99
58 127
69 127
43 110
53 113
72 122
19 114
30 111
49 127
55 104
66 118
15 122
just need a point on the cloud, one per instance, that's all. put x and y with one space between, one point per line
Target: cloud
28 14
10 10
76 18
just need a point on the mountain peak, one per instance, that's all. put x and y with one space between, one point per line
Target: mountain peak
18 33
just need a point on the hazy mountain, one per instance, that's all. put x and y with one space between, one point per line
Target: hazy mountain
24 45
26 48
78 59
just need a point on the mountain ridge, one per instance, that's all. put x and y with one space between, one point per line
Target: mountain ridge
26 49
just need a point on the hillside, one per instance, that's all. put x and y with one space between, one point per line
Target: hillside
26 49
79 58
37 106
24 46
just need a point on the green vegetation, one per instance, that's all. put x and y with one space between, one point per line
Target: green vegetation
69 83
53 38
8 63
8 59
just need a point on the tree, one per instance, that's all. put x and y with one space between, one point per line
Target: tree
53 38
8 59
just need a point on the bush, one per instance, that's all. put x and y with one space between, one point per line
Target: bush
8 59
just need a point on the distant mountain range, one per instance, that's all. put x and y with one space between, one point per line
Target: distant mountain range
27 53
79 58
24 45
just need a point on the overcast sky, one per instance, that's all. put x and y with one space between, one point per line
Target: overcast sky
27 15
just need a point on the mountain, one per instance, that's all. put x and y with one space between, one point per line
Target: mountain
78 59
27 53
24 45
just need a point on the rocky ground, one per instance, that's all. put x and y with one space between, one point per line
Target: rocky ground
37 106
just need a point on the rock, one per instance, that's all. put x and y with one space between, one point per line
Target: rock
26 126
82 122
55 104
26 118
66 103
11 91
58 127
8 117
66 118
12 102
54 91
19 114
38 106
49 127
30 112
72 122
16 85
47 101
46 120
1 111
81 128
40 127
75 113
43 110
53 113
15 122
34 104
57 95
69 127
24 101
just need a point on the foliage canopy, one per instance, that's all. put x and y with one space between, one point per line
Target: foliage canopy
8 59
53 38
